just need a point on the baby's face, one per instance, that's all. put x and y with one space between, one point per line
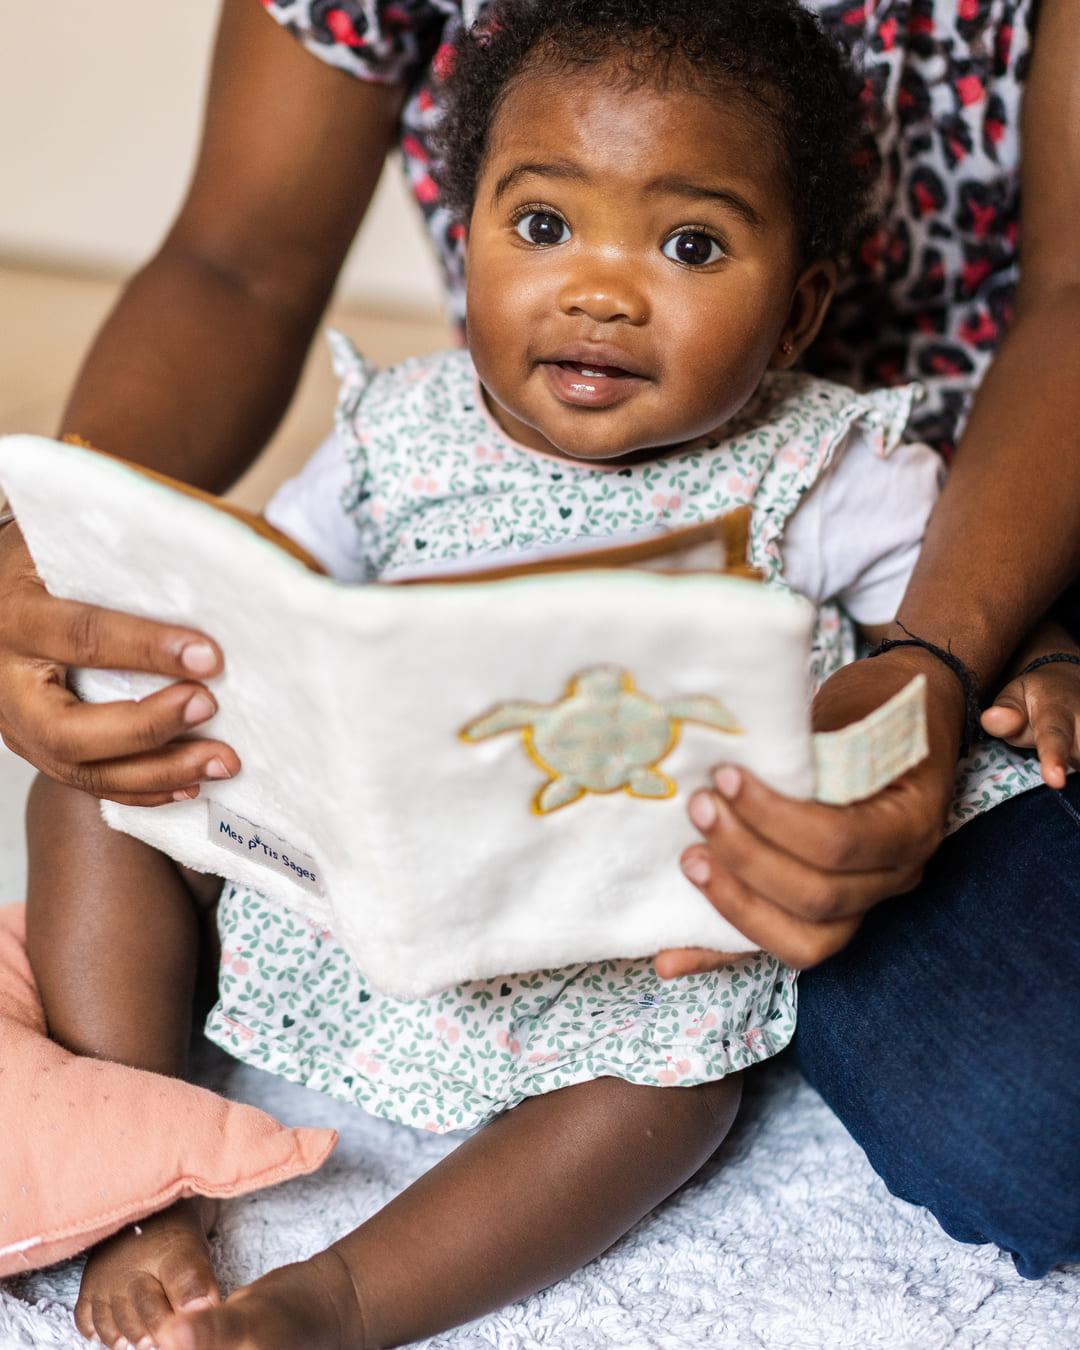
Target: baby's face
631 265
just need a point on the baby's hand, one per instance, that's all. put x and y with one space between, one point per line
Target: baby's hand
1042 710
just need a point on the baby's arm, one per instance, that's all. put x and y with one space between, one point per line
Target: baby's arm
1041 709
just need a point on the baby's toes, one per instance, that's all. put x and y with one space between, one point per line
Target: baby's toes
187 1281
112 1321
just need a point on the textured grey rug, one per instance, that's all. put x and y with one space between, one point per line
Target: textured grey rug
786 1241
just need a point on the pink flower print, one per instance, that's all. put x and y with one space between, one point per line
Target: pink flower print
739 487
683 1067
238 1029
420 484
507 1043
481 452
477 528
365 1063
446 1032
666 1077
709 1020
234 961
538 1057
795 456
377 510
663 503
753 1039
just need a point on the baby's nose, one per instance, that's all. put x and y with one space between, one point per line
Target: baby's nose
606 291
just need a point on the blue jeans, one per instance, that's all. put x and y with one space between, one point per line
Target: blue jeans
946 1036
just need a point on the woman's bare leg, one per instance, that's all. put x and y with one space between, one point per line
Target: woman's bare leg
523 1203
113 932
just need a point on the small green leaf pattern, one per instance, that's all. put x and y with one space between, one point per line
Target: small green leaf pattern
460 1057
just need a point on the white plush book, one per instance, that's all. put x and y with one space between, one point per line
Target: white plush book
460 780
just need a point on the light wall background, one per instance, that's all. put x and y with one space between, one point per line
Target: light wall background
100 106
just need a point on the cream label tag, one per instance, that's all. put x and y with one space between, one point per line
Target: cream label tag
860 759
248 840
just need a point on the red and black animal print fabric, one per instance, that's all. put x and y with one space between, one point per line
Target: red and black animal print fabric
932 287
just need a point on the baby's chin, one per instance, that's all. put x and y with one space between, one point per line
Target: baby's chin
608 456
592 438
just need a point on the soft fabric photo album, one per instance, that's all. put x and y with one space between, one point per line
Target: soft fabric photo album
466 776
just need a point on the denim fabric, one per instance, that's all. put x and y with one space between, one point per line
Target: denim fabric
946 1036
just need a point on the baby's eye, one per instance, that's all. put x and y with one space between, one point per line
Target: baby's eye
543 227
693 248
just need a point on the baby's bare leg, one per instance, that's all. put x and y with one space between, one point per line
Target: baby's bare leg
526 1201
113 938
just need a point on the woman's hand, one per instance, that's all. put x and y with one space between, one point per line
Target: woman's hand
796 877
127 751
1041 710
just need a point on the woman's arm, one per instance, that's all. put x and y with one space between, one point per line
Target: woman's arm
1002 542
190 375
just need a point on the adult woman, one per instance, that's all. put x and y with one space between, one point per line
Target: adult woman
196 364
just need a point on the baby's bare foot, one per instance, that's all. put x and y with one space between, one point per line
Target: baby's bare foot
307 1306
147 1272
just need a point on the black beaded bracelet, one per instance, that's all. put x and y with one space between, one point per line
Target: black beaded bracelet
972 709
1070 657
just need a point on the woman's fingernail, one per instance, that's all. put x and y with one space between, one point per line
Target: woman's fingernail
185 794
697 869
703 810
216 769
198 657
727 780
198 708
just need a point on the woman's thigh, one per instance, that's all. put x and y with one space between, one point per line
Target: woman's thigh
946 1036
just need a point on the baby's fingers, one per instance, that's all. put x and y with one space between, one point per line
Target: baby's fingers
1008 721
1041 711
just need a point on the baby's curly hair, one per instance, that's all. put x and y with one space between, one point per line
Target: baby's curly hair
773 53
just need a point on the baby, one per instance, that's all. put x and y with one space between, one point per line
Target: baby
655 198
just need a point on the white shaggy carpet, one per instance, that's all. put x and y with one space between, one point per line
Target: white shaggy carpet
786 1241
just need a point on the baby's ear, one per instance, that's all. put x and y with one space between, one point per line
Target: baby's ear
810 298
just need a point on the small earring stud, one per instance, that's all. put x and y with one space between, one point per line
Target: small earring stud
785 347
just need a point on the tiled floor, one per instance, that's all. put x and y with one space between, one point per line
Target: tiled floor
48 321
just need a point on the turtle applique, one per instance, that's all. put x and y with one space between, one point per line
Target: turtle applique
603 735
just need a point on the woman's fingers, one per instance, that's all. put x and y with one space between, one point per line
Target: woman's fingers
796 877
76 743
781 846
121 750
678 961
67 633
795 941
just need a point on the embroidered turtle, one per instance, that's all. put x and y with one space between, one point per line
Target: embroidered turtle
603 735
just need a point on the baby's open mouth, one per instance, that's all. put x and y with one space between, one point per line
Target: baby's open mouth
596 372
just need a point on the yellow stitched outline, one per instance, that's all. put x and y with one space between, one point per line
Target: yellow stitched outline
628 686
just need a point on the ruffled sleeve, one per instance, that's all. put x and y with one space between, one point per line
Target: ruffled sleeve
324 508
